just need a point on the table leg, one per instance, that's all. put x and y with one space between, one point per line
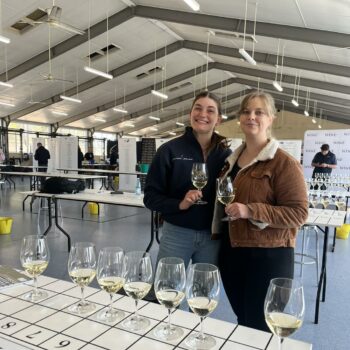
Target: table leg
58 225
152 233
50 217
322 280
334 240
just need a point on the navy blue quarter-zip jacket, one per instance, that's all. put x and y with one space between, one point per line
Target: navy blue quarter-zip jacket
169 179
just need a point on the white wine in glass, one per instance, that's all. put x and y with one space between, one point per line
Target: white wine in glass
284 307
225 192
169 286
202 293
199 177
110 278
137 272
35 258
82 270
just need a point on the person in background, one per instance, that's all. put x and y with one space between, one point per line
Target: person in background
270 205
169 190
42 156
2 156
113 159
89 156
324 161
80 158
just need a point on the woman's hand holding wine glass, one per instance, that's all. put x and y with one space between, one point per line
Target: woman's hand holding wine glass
199 177
284 307
35 258
138 276
169 285
110 278
82 270
225 192
202 292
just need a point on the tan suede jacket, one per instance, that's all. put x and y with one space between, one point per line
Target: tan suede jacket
273 187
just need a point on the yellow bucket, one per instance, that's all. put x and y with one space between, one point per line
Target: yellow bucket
116 182
343 231
93 208
5 225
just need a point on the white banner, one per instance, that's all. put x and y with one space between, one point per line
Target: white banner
67 152
339 144
293 147
127 162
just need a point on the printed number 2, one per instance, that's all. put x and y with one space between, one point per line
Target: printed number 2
63 344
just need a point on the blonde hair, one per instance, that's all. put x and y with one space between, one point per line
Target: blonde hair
268 101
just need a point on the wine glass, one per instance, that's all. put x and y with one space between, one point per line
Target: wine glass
169 286
137 272
225 192
35 258
199 177
284 307
82 270
110 278
202 293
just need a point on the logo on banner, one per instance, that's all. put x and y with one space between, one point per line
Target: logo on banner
329 134
338 142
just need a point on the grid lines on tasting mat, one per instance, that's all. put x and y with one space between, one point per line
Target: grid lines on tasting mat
48 324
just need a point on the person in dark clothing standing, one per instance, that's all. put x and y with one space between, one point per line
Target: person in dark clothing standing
324 161
89 156
42 155
80 158
169 190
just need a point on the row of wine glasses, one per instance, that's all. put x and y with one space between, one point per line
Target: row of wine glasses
317 198
132 271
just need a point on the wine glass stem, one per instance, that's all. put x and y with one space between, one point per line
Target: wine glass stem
169 319
35 280
136 308
201 330
110 303
82 295
280 341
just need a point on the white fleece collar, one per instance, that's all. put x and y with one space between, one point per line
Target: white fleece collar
268 152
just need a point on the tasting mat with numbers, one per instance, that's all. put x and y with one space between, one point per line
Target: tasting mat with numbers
49 325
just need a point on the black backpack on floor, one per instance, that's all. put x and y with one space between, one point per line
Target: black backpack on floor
56 185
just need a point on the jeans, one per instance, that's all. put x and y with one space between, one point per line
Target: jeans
188 244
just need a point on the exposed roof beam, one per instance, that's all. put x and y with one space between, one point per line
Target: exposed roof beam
314 36
136 94
166 104
314 66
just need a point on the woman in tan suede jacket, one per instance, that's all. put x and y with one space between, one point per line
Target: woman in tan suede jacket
269 207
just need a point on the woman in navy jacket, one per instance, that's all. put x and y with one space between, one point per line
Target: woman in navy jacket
169 190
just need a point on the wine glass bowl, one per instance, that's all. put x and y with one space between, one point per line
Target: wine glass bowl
225 192
169 286
137 272
82 271
110 278
284 307
34 256
199 177
202 293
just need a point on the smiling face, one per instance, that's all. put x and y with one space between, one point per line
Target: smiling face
256 119
204 115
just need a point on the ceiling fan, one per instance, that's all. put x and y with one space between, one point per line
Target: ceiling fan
53 19
49 76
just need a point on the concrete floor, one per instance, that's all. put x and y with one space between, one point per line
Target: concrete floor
129 228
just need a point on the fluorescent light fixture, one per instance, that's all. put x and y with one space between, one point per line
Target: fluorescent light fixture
247 57
306 113
224 116
100 119
180 124
277 86
160 94
7 104
129 125
5 40
59 113
153 128
120 110
295 102
172 133
154 118
98 72
192 4
71 99
4 83
314 120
